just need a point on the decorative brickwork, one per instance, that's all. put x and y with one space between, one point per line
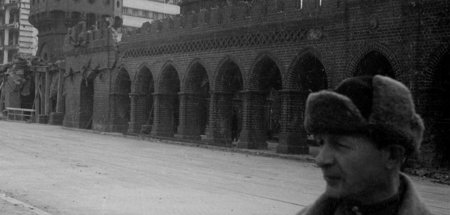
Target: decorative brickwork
252 39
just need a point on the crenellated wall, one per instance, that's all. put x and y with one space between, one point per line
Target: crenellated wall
240 15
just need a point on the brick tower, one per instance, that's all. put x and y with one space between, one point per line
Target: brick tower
53 17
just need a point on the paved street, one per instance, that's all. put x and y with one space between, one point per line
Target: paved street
51 170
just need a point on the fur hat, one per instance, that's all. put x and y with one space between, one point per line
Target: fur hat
379 107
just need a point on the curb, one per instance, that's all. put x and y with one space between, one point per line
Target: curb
263 153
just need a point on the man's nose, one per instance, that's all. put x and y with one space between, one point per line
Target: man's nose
325 156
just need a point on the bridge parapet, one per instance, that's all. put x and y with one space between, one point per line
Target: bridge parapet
232 16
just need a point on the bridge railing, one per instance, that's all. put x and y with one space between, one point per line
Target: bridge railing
20 114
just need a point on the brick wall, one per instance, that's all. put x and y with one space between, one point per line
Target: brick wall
411 35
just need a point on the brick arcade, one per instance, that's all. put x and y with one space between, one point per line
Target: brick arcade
238 72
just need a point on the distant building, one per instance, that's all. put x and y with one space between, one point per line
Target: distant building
136 12
17 35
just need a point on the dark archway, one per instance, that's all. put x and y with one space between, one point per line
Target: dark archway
167 109
269 83
227 125
262 106
195 102
310 74
439 109
374 63
307 75
122 91
86 103
143 101
27 94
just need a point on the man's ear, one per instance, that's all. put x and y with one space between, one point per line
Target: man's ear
395 156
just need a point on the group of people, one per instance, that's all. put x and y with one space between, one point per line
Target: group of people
366 128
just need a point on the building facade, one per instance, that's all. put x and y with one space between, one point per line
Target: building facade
136 12
17 35
238 72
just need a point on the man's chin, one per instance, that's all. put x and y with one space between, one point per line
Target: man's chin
333 192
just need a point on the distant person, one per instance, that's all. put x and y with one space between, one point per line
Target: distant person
366 128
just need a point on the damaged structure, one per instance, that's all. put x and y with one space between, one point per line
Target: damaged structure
239 72
16 85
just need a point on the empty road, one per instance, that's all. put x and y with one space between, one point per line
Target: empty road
52 170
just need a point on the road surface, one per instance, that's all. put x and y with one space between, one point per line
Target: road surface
49 170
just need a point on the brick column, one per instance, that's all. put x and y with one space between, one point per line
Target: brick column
42 115
137 108
146 128
189 127
37 98
57 117
253 134
114 127
163 122
47 93
220 113
292 135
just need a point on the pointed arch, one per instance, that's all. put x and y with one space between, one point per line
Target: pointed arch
262 110
143 80
166 108
168 80
306 72
374 63
121 100
142 101
265 69
376 52
195 99
226 111
228 76
196 77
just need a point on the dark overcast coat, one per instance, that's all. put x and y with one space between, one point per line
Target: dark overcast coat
410 203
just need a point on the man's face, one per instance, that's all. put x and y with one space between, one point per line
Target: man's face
352 166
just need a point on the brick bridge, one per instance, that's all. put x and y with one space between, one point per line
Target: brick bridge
242 72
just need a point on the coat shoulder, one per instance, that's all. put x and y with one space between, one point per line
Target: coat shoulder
304 211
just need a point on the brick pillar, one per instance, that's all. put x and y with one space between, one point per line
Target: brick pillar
189 127
163 122
47 93
146 108
136 113
42 117
56 118
292 135
220 113
37 98
113 126
253 134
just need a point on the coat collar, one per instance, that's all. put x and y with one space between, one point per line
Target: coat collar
410 203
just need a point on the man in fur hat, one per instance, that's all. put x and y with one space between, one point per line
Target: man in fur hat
366 128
